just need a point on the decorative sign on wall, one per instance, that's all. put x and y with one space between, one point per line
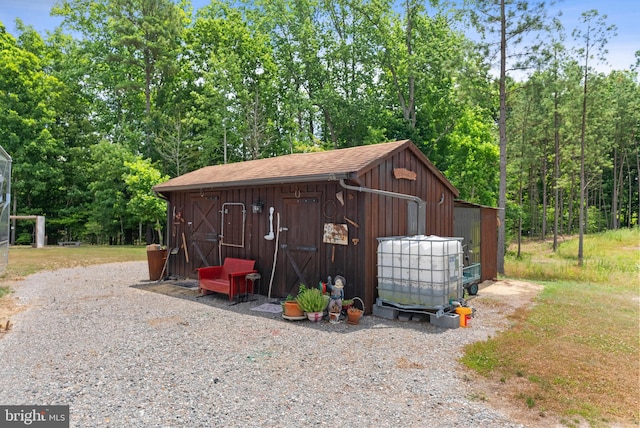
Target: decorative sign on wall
403 173
336 233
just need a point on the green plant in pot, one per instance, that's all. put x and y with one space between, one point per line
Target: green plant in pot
346 304
291 308
313 303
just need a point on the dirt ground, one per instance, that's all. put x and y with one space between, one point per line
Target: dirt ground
8 308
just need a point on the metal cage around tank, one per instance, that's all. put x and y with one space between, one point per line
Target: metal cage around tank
420 270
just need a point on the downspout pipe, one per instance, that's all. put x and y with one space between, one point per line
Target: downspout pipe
422 205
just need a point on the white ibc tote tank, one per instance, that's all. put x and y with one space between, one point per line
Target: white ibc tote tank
420 270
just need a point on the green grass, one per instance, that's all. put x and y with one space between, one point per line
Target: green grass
609 258
578 347
4 290
25 260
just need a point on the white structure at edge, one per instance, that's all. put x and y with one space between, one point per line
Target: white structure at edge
5 203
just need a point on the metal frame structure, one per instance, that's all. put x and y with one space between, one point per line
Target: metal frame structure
5 202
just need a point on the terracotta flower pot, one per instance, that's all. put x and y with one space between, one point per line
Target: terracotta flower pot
292 309
354 315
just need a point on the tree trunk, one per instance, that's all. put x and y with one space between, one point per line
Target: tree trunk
520 214
582 179
502 125
614 196
619 184
561 224
520 179
148 72
329 123
556 168
637 181
544 190
572 196
533 202
629 213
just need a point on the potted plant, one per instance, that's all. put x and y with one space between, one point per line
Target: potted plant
290 306
346 304
354 314
313 303
334 315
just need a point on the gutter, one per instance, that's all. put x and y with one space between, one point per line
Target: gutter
253 182
422 205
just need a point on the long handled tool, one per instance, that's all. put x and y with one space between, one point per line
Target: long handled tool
173 251
186 250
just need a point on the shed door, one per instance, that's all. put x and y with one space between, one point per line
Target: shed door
203 239
300 243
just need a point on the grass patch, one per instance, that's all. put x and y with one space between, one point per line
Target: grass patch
25 260
4 291
576 351
611 257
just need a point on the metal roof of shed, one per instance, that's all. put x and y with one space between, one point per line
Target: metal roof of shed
330 165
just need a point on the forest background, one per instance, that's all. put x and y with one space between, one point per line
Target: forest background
125 94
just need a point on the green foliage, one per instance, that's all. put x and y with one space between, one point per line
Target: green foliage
109 205
311 300
143 205
473 160
246 80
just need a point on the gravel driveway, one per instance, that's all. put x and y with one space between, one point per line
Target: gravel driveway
121 355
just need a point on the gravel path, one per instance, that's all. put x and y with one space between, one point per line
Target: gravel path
123 356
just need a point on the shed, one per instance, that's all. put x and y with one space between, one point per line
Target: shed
306 216
478 226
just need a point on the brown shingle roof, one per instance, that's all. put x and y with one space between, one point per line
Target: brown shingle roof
298 167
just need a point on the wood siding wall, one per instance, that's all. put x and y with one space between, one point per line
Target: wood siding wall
387 216
303 231
316 204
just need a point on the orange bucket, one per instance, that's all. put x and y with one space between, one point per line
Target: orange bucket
465 316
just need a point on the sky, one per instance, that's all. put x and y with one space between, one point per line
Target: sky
625 14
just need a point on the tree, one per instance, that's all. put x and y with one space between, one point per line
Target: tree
593 40
108 213
129 48
143 206
473 159
233 86
28 101
146 36
511 20
557 55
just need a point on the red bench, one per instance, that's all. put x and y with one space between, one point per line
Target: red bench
226 279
